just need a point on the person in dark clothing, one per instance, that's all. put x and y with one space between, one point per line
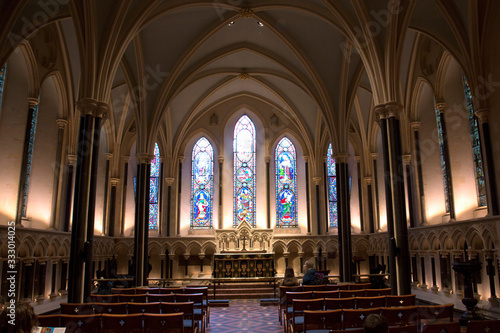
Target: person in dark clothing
375 323
309 273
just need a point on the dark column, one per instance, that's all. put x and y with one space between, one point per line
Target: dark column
397 229
419 176
308 200
179 191
434 287
160 199
423 284
326 195
285 255
268 191
360 194
112 207
375 188
69 191
414 270
488 161
186 264
22 196
344 216
490 270
105 222
55 277
64 276
40 279
447 164
445 265
409 189
82 233
221 171
61 124
142 219
170 183
371 213
124 195
317 181
162 266
202 257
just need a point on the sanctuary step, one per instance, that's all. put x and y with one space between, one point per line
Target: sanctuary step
255 290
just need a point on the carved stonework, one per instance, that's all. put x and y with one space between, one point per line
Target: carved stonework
244 239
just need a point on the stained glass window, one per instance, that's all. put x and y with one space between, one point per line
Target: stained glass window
476 147
286 184
332 189
202 184
154 189
29 159
443 162
2 82
244 172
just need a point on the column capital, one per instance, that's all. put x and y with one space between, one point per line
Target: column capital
102 110
368 180
407 159
357 158
86 106
306 158
317 180
489 254
180 158
415 125
220 159
440 107
169 181
387 110
126 158
267 158
108 156
32 102
144 158
71 159
482 115
114 181
61 123
374 156
341 157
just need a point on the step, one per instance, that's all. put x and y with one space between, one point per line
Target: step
242 296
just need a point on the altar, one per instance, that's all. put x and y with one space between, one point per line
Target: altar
243 265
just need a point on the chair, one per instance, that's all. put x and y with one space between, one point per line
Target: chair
136 298
104 298
316 287
359 286
77 308
121 323
296 320
289 297
161 297
163 323
204 291
147 290
352 318
378 292
370 302
199 312
353 330
152 307
187 308
400 300
338 286
81 323
403 329
322 321
123 291
340 303
443 328
282 304
326 294
430 314
49 320
400 316
172 290
483 326
351 293
111 308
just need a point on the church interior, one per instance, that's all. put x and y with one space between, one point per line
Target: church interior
156 139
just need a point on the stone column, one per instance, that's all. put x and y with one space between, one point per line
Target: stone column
170 183
490 270
415 126
371 209
179 192
69 191
434 287
186 264
221 186
360 194
112 207
445 272
268 191
344 217
61 124
308 196
41 276
126 159
376 221
105 223
171 258
202 257
397 229
409 189
55 279
488 161
24 179
286 255
423 279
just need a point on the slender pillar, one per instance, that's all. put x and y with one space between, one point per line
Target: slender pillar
434 287
170 183
112 207
409 189
286 255
447 164
22 197
360 194
419 176
317 181
109 157
69 190
186 264
55 279
326 194
308 200
423 285
160 198
221 164
268 191
490 270
488 161
375 188
61 124
371 211
344 216
179 191
202 257
445 272
126 159
142 219
397 229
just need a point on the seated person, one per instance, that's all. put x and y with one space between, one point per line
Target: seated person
375 323
309 273
25 319
289 278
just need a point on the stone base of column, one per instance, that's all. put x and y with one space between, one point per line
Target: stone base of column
494 301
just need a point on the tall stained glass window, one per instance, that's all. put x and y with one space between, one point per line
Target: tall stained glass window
154 189
332 189
202 184
476 147
244 172
443 162
286 184
2 82
29 159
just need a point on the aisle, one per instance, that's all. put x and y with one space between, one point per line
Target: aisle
244 316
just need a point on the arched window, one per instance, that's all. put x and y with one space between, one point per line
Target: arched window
154 189
332 189
202 184
286 184
443 160
244 172
29 160
476 147
2 82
